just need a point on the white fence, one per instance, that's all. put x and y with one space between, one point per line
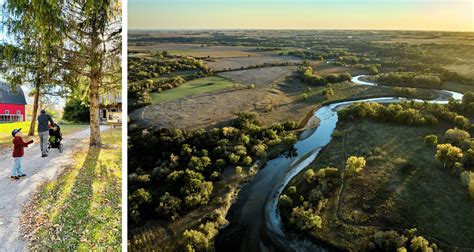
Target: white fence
10 118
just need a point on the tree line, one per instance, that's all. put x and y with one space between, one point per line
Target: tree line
65 47
308 75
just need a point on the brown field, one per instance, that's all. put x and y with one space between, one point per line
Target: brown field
196 50
418 40
463 70
261 77
237 63
273 103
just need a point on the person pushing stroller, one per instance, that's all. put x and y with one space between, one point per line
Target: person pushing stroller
44 120
55 137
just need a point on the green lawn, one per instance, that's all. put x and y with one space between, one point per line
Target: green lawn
7 128
81 209
194 87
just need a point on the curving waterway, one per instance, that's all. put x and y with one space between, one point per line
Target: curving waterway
254 219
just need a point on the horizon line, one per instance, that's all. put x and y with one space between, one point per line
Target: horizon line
293 29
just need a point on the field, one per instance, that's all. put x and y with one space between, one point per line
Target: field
194 87
463 70
261 77
198 50
402 187
244 62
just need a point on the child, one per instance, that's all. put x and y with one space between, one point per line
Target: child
18 153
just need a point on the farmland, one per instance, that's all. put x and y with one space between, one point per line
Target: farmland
223 104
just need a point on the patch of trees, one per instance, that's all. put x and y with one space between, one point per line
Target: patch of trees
160 73
302 204
413 79
267 64
268 49
457 154
76 110
393 241
161 64
308 75
173 171
405 91
387 113
306 55
408 112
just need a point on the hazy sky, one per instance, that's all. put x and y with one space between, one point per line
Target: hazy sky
456 15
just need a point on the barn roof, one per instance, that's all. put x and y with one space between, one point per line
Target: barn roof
9 96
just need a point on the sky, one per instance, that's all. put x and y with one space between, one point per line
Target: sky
439 15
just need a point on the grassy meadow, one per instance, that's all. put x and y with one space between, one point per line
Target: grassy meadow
194 87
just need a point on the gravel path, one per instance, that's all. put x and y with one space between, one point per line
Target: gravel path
14 194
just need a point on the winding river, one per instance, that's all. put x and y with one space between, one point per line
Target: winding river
254 219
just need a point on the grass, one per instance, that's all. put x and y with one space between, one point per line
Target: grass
7 128
401 187
81 209
194 87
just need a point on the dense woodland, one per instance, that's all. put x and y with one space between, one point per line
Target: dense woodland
177 174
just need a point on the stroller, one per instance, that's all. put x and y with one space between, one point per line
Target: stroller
55 138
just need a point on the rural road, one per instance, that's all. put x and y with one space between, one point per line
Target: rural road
15 194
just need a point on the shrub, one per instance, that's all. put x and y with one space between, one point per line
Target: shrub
259 150
292 189
169 206
304 96
461 121
247 161
238 169
234 159
457 136
76 111
418 243
196 240
309 174
285 201
355 165
468 159
431 139
332 78
305 220
136 201
449 155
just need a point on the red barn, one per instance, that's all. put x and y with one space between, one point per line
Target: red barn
12 104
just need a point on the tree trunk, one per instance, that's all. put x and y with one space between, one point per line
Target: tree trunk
95 139
35 110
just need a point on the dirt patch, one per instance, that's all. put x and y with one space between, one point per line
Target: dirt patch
261 77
